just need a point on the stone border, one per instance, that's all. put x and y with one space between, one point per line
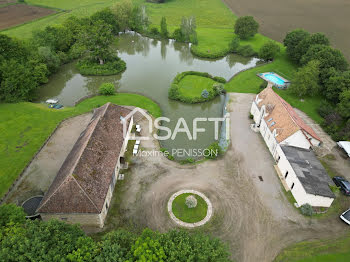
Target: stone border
190 225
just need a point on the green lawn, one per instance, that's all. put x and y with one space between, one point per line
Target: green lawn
335 250
192 85
189 215
24 127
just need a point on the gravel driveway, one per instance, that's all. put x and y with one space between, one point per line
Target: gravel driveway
252 216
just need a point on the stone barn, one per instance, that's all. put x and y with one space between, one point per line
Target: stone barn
84 185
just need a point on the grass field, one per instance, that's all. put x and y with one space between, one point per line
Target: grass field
192 86
189 215
335 250
24 127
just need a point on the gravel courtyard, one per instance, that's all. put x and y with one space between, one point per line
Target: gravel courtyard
253 216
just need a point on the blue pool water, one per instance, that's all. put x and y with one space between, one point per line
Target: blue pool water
274 79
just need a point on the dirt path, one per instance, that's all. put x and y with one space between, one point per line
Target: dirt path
41 172
277 17
254 217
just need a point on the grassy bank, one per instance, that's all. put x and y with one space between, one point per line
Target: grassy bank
24 127
335 250
192 86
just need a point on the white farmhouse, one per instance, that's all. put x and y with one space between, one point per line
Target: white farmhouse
279 124
303 174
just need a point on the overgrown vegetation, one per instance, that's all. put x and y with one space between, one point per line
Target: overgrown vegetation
195 87
21 239
107 89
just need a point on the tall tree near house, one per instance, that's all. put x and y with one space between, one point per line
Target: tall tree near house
123 12
246 27
164 28
306 81
97 39
291 42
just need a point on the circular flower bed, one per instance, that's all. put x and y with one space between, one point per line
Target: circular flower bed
189 208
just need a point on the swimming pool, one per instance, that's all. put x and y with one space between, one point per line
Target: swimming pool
275 79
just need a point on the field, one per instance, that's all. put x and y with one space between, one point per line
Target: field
335 250
24 127
12 15
278 17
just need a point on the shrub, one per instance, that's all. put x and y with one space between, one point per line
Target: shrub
191 201
246 27
107 89
154 31
263 84
307 210
173 92
88 67
219 88
251 116
234 45
219 79
246 50
205 93
214 151
269 51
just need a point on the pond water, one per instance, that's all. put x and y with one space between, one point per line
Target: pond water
151 67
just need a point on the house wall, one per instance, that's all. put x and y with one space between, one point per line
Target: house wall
298 139
298 190
82 219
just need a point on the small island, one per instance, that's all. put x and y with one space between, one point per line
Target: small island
196 87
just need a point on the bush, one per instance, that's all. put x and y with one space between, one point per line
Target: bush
307 210
263 84
214 151
107 89
154 31
234 45
205 93
269 51
88 67
246 50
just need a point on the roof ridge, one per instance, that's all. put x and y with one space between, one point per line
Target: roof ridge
70 173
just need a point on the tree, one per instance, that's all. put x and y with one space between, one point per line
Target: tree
11 214
46 241
123 13
234 44
306 81
187 31
97 39
107 89
50 58
291 42
344 104
11 48
269 51
107 16
18 82
164 28
246 27
336 84
58 38
139 18
148 248
304 45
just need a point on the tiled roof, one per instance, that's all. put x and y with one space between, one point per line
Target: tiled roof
284 118
309 171
82 183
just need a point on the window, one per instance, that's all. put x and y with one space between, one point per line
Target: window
106 205
292 186
278 158
286 175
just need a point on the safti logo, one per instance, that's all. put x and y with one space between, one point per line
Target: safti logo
181 126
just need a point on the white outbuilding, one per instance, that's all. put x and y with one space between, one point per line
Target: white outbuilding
304 175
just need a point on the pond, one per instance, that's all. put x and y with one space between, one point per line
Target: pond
151 67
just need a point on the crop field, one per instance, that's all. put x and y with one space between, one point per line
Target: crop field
12 15
278 17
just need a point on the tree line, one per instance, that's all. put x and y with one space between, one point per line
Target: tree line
324 72
27 240
27 64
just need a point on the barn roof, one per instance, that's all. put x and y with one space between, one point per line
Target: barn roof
282 117
309 171
82 183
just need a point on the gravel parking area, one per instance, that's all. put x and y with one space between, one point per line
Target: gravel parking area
252 216
41 172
